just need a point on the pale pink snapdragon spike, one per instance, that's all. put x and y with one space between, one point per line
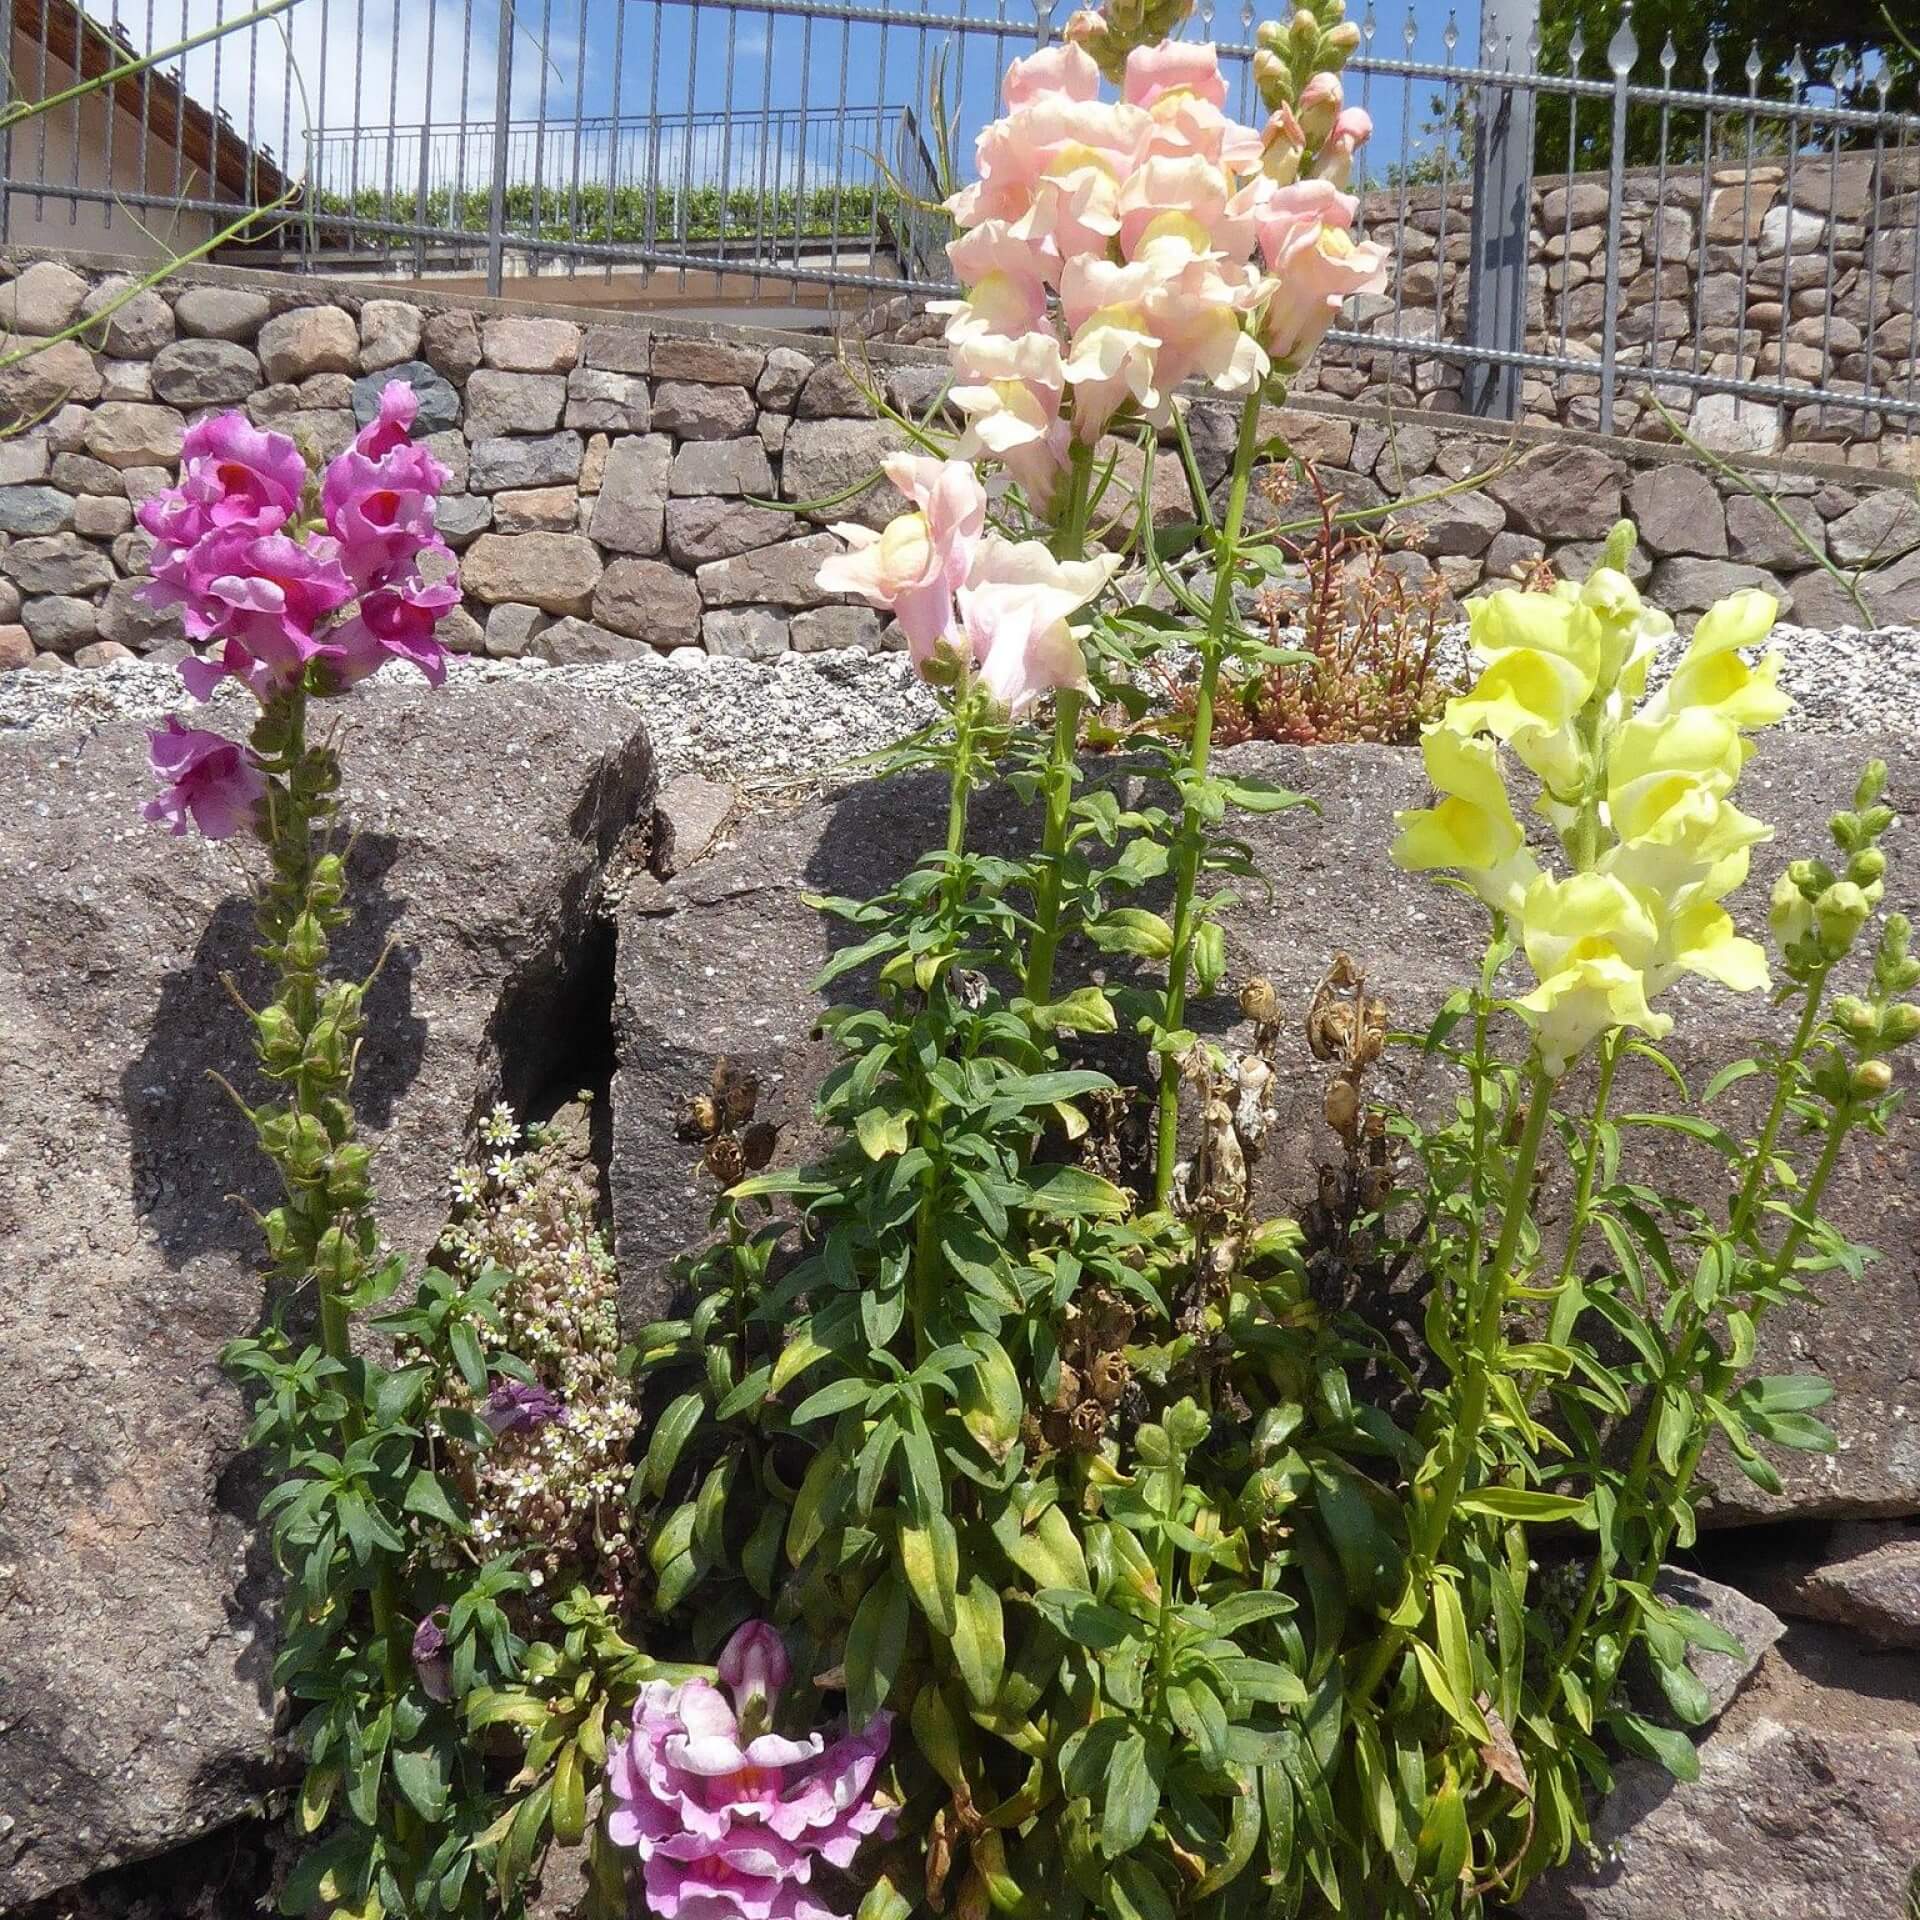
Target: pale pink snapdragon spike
914 565
1184 196
729 1827
212 783
233 479
1174 67
1282 148
1317 266
1066 70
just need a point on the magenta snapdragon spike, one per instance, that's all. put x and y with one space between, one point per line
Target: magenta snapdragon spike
730 1827
212 783
281 601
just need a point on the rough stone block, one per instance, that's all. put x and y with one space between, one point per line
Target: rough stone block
390 332
607 402
540 460
556 572
34 510
309 340
220 313
513 403
745 633
690 411
1678 511
726 468
782 575
719 363
526 343
650 601
618 349
629 509
205 373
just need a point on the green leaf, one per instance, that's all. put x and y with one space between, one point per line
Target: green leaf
1800 1431
876 1645
980 1641
1048 1553
1209 956
670 1434
1072 1193
467 1355
1450 1631
1462 1712
1667 1745
1133 1794
1083 1619
1523 1503
1686 1694
569 1795
930 1558
822 1493
1262 796
1085 1010
421 1774
1132 930
800 1352
834 1398
1132 1893
885 1901
1784 1393
427 1496
882 1134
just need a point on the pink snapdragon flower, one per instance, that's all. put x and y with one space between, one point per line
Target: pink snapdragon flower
395 621
233 479
212 783
914 567
1014 611
1317 266
729 1822
381 510
1009 393
1351 131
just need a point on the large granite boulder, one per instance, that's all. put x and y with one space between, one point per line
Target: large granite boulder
719 960
136 1707
1807 1806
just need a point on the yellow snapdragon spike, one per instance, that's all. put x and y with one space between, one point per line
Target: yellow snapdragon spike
1712 674
1589 940
1472 829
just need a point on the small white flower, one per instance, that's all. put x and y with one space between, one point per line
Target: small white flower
499 1128
505 1169
467 1183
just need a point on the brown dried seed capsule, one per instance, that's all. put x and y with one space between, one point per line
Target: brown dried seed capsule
1088 1423
757 1143
739 1095
725 1161
1341 1106
1259 1002
1069 1389
699 1118
1108 1376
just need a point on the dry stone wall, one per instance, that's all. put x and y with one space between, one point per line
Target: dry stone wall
1742 272
612 480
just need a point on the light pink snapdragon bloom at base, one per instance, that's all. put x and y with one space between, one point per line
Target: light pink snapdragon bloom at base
1014 613
915 566
212 783
729 1827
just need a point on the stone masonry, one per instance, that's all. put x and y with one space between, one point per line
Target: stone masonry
620 487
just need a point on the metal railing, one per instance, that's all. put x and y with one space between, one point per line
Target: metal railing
1749 233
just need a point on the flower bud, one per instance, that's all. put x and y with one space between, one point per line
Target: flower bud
1342 42
1840 913
1856 1019
1866 866
755 1669
1900 1024
1812 877
1341 1106
1873 783
1271 35
1791 915
1319 106
1872 1078
1303 30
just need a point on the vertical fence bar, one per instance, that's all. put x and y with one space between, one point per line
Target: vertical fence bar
6 136
1502 215
502 107
1622 50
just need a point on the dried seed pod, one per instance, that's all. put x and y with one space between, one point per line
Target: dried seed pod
1259 1003
1330 1012
1088 1423
738 1090
1067 1393
967 987
1107 1375
699 1118
757 1143
1332 1198
1341 1106
725 1160
1376 1183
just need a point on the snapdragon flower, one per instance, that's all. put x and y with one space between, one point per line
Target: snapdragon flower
729 1818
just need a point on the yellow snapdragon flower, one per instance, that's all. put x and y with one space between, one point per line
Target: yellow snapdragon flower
1472 830
1542 655
1589 939
1712 674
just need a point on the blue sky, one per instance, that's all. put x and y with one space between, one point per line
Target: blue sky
387 63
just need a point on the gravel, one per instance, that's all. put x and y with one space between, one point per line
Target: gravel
812 717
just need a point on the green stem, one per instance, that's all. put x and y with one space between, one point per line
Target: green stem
1193 825
1070 543
922 1288
1474 1382
1788 1080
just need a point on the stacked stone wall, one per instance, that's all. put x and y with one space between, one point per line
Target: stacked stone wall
620 486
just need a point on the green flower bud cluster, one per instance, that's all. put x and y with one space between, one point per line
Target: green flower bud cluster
1818 910
1288 53
1111 32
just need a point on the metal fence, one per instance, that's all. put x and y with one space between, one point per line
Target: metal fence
1762 244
